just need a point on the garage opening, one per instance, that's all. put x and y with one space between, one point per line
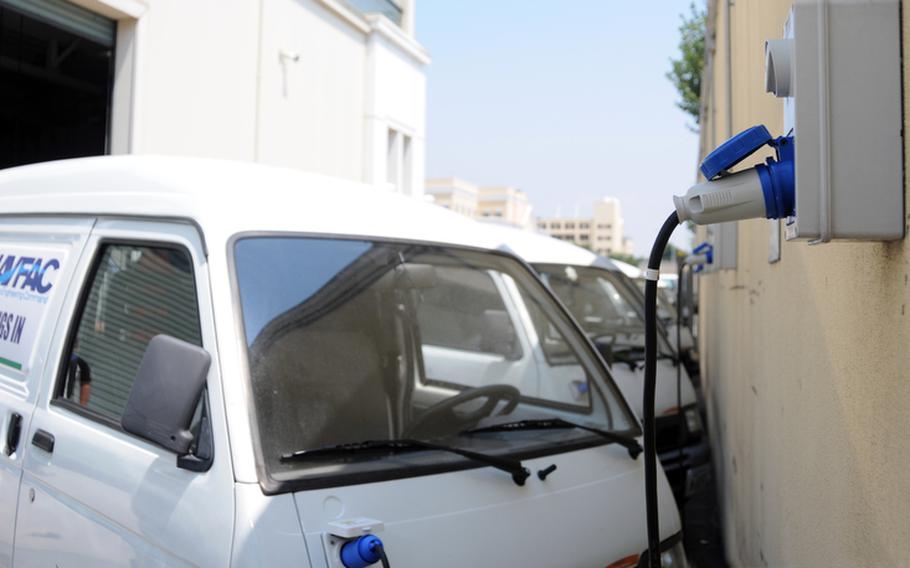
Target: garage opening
56 76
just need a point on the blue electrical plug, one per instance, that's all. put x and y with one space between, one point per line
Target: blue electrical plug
362 551
766 190
701 255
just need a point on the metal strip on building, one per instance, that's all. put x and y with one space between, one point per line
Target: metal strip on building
74 19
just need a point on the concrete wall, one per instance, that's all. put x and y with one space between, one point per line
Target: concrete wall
308 84
805 362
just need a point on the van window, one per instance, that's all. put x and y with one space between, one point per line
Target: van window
136 292
354 340
465 311
603 301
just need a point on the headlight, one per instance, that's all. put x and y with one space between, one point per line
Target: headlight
674 557
693 420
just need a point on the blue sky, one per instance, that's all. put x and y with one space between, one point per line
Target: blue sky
566 100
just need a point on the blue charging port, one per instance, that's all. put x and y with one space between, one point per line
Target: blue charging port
363 551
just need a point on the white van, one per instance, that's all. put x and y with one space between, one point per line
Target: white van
666 310
606 304
205 363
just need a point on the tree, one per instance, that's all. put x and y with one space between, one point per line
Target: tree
671 252
627 258
685 72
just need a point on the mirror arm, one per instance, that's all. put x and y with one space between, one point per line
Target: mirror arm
200 458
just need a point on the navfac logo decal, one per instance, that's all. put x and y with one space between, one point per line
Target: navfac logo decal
27 273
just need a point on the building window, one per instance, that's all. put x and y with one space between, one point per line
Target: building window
583 237
391 9
556 226
541 225
398 161
570 225
584 225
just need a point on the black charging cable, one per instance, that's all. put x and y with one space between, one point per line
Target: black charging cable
651 275
379 549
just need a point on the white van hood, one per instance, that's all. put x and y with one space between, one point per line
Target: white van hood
589 512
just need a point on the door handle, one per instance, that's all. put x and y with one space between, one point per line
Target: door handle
13 431
44 440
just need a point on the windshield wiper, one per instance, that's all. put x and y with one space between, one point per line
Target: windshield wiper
629 443
519 472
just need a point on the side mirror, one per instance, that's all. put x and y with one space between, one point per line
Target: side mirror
165 393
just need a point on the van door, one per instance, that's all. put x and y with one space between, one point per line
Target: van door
37 260
91 494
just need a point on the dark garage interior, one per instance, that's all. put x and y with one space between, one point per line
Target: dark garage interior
56 74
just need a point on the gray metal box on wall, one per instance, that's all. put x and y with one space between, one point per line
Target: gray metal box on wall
839 71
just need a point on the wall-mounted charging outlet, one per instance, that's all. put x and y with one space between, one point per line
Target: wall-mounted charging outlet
344 531
838 69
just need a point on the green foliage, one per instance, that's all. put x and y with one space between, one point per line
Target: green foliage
685 72
671 252
629 258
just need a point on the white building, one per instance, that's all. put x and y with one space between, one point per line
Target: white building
601 233
329 86
507 204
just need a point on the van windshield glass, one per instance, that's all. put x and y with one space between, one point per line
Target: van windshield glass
355 340
603 301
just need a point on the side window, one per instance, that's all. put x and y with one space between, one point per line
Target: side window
553 343
135 293
465 311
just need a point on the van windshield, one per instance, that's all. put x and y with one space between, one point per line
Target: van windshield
604 302
355 340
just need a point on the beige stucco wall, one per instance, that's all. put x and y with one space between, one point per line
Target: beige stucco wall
806 365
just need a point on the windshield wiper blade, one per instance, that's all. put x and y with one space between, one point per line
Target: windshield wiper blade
512 466
629 443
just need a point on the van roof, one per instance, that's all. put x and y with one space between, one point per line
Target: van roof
537 248
225 198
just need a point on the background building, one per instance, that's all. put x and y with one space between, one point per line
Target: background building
506 204
602 233
329 86
804 359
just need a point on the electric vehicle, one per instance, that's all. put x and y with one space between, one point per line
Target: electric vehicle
206 363
666 309
608 306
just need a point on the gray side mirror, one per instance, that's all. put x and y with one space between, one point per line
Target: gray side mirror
165 393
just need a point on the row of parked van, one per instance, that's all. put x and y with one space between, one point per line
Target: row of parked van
219 364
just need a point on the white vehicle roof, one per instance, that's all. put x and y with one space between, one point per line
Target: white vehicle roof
537 248
628 269
225 198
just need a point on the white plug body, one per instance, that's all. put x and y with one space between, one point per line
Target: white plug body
696 259
730 198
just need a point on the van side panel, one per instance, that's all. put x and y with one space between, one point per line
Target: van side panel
37 260
100 496
267 531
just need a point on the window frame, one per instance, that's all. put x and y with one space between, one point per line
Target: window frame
275 486
85 290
